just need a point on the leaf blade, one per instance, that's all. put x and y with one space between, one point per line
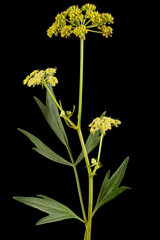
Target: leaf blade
51 120
44 150
104 188
110 187
109 197
118 176
54 112
52 218
56 211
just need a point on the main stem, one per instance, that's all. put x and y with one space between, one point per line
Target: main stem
90 208
90 175
80 82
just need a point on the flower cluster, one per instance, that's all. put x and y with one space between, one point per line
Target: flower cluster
41 77
79 21
103 124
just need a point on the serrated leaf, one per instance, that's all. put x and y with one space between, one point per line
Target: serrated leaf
110 187
51 114
56 211
42 149
91 143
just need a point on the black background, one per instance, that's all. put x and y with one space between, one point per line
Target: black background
113 81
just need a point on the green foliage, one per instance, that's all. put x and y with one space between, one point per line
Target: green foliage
51 113
78 21
56 211
42 149
110 186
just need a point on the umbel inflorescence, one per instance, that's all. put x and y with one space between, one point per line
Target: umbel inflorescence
80 21
41 77
103 124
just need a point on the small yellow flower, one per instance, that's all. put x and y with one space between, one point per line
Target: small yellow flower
103 124
106 31
33 73
41 77
51 71
94 16
75 14
52 80
66 31
88 7
93 161
25 81
80 31
62 114
107 18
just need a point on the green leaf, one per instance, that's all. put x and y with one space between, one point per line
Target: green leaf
56 211
51 113
110 186
117 177
42 149
91 143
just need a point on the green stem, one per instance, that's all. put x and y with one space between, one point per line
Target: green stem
90 179
60 108
99 154
94 31
80 194
78 184
53 97
100 147
90 208
80 82
90 175
92 26
84 151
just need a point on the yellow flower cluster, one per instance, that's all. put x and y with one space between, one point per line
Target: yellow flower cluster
80 31
103 124
41 77
79 21
106 31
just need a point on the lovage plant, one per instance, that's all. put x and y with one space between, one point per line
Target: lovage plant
77 21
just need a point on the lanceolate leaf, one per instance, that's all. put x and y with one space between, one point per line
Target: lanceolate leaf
51 113
110 186
44 150
56 211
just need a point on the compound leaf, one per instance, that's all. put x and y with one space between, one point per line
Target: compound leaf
56 211
110 186
42 149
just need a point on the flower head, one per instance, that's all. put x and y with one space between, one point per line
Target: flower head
41 77
80 21
103 124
